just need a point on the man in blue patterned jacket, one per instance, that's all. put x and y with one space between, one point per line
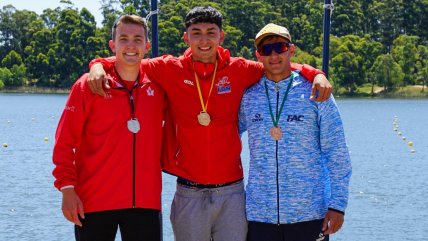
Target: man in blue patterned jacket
299 162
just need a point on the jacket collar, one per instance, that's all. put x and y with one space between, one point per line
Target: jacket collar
115 81
204 70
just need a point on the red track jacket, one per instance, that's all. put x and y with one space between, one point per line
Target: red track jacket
94 148
204 154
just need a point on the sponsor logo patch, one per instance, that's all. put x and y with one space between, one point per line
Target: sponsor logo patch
189 82
257 118
291 118
223 86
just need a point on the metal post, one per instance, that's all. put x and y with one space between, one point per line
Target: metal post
328 8
155 41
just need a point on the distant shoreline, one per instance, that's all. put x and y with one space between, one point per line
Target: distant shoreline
409 92
36 90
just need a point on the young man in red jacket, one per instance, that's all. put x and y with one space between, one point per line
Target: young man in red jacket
107 183
202 144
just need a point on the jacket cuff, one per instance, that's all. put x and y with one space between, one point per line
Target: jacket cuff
337 211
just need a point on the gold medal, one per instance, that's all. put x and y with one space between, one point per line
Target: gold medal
276 133
204 118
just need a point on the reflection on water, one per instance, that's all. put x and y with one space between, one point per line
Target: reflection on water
388 194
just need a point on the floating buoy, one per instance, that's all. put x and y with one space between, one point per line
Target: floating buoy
46 139
395 129
399 133
5 145
410 143
412 151
404 138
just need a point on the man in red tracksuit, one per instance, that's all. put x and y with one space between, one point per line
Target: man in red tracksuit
202 145
107 183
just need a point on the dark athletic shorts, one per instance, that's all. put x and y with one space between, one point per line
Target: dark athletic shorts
303 231
135 224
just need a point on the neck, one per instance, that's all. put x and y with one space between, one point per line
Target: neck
278 77
127 73
205 61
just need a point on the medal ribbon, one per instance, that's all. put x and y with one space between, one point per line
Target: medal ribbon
129 91
205 106
275 121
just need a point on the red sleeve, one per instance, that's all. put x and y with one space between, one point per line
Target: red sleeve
254 71
307 71
69 132
108 63
160 68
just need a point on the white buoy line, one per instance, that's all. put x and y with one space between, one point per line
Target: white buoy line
396 128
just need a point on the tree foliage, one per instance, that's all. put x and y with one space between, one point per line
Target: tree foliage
372 41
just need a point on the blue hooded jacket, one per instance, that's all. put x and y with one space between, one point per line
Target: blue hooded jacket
299 177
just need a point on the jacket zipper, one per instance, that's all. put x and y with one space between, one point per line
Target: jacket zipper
134 137
276 158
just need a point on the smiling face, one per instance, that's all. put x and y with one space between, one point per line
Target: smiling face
130 44
277 66
204 39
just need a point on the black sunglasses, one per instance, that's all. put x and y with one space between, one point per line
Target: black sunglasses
279 48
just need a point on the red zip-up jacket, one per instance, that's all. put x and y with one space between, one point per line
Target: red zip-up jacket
110 167
204 154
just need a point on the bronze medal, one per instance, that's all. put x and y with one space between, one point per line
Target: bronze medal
204 118
276 133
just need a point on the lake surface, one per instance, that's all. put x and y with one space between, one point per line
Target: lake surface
388 193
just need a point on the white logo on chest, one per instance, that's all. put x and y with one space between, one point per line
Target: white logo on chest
189 82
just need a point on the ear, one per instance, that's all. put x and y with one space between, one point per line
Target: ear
292 49
222 36
259 57
148 45
186 38
112 46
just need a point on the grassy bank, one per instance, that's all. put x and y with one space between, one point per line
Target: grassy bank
415 91
35 90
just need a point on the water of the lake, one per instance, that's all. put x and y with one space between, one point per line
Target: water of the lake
388 193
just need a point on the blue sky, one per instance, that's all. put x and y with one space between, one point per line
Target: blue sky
39 6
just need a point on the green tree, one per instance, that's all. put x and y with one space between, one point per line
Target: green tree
386 72
405 53
5 76
11 59
348 63
387 20
348 18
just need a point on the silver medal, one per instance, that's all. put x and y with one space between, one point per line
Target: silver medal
133 125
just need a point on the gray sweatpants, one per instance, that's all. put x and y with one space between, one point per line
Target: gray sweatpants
216 214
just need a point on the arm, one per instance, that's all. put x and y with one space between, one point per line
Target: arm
338 162
321 87
68 134
97 74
